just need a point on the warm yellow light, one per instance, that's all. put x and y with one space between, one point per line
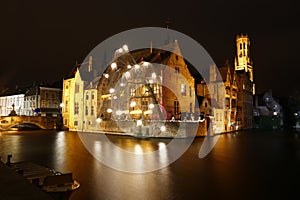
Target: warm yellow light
148 112
128 66
120 50
106 75
98 120
119 112
113 65
61 105
132 104
111 90
127 75
135 112
146 64
104 96
136 66
125 47
139 122
109 110
151 105
161 145
163 128
153 75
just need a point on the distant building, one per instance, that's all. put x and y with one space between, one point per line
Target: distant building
7 103
233 90
268 112
42 100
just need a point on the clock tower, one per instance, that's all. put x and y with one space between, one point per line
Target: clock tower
242 57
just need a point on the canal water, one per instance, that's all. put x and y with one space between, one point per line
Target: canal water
242 165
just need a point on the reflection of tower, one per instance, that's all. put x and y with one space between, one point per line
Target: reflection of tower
242 58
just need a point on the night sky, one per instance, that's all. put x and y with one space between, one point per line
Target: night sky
42 40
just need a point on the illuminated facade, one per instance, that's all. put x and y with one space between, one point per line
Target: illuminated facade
7 102
42 100
156 84
79 98
243 60
237 96
138 81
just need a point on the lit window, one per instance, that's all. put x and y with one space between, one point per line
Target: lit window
156 89
76 88
132 92
183 89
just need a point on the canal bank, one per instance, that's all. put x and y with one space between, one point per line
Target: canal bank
15 187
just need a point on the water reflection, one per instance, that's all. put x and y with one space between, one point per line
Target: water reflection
263 164
126 154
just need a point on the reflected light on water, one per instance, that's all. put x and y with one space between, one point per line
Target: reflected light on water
138 149
97 147
161 146
60 150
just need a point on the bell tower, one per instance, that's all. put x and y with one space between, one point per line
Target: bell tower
242 57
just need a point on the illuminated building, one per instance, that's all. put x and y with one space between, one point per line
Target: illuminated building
7 102
79 99
243 60
139 80
42 100
156 84
237 96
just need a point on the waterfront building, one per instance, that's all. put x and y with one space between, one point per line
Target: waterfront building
141 79
136 81
268 112
9 101
42 100
236 95
79 97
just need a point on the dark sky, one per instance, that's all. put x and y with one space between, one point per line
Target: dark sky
42 40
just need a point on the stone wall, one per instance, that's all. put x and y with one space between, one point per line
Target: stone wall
153 129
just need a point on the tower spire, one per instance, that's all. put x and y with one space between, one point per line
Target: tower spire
242 58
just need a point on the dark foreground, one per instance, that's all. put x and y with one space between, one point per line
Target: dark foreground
242 165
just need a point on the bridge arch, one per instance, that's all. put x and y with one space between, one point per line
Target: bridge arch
42 122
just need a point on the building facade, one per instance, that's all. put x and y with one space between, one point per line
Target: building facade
155 84
8 102
147 84
42 100
232 89
79 98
